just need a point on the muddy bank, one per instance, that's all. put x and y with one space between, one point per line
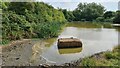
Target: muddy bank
23 53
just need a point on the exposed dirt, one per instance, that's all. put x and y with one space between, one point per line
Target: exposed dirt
28 53
23 53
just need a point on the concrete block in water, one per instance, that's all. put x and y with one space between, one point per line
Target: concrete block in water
69 43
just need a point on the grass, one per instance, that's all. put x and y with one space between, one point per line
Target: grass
83 25
0 11
110 58
107 25
3 42
48 30
89 25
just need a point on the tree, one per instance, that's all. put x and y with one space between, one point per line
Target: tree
68 15
109 14
89 11
117 18
4 5
77 15
21 7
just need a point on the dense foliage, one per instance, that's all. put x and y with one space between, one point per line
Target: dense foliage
68 15
117 18
85 12
88 12
30 19
92 12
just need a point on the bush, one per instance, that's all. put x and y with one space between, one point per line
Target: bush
31 20
47 30
100 19
114 54
15 26
109 55
109 20
107 25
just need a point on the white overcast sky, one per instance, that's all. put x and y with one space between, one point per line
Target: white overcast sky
110 5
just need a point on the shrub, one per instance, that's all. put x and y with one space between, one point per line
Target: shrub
100 19
15 26
107 25
47 30
31 20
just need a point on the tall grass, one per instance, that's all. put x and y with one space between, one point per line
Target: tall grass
90 24
48 30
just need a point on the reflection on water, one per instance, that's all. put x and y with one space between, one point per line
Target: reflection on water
94 40
49 42
69 50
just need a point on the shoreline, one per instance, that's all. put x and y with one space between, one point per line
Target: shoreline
9 53
77 62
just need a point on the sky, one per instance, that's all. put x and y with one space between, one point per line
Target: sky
110 5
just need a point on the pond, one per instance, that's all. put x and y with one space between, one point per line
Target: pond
94 40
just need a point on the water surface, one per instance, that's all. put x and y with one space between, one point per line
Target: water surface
94 40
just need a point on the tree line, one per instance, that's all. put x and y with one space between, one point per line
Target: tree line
92 12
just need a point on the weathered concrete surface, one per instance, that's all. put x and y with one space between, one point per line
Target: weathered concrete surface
69 43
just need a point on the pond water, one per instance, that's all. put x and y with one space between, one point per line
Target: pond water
94 40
